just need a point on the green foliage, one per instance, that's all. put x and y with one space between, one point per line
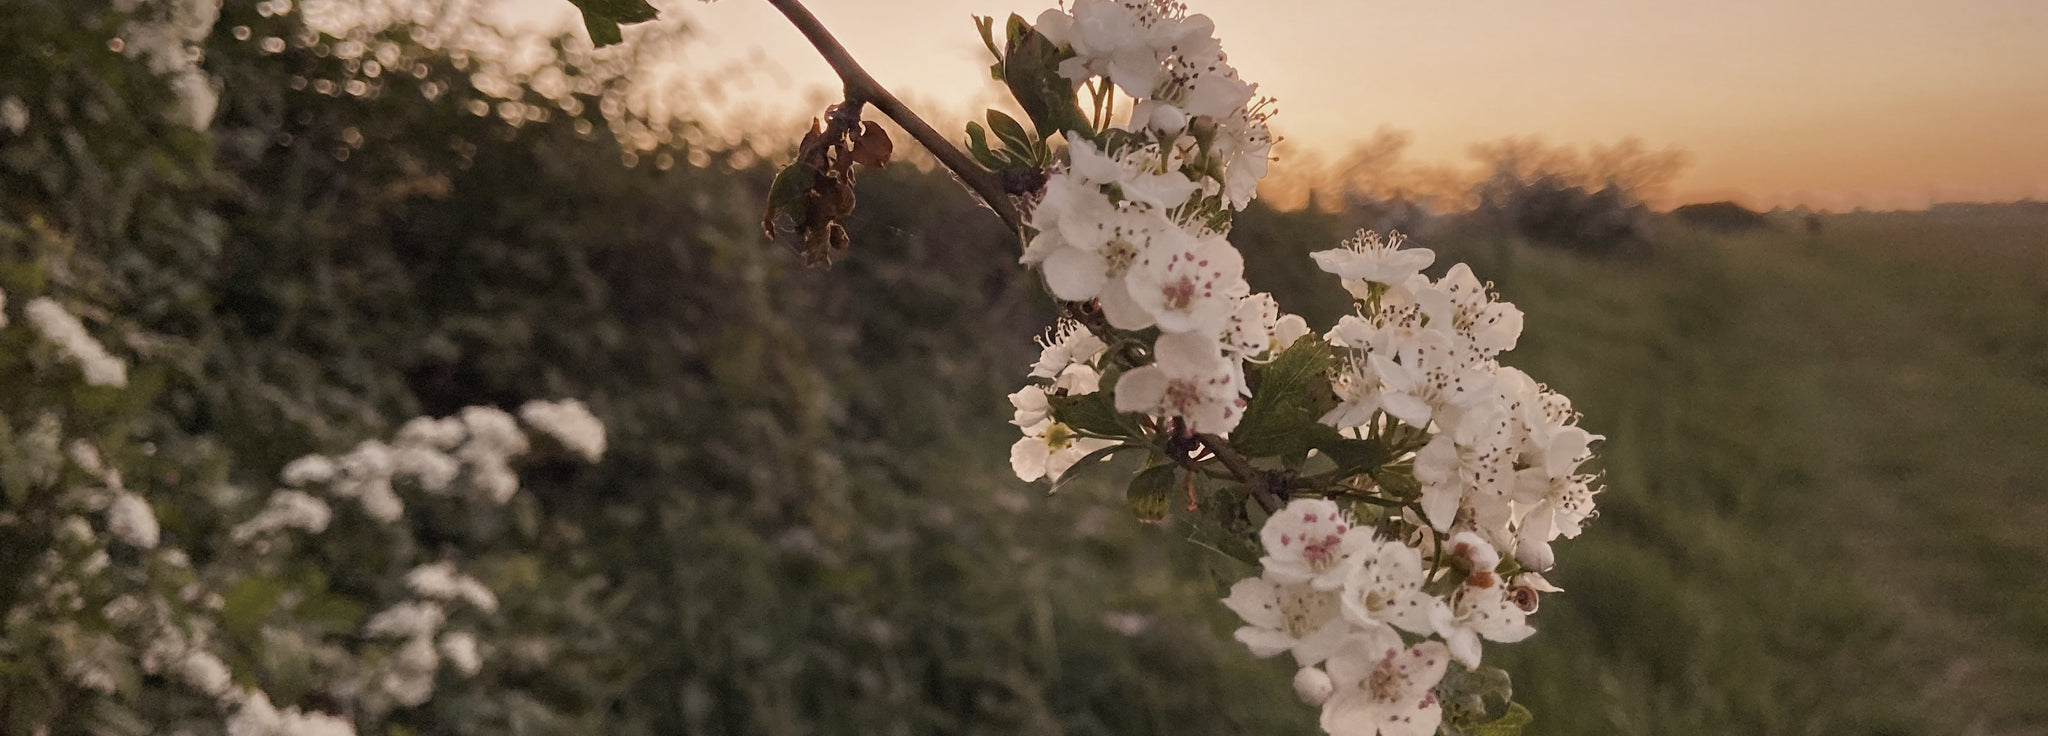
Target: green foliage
1289 396
1030 68
602 18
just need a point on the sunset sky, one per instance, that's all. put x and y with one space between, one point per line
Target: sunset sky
1832 103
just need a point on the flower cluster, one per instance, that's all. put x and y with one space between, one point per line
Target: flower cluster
1427 479
1375 596
62 329
1135 220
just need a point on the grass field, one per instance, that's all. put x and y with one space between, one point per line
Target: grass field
1826 496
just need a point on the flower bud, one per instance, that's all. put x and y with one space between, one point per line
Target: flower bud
1168 119
1535 554
1313 685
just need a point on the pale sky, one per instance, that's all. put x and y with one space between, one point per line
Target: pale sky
1834 103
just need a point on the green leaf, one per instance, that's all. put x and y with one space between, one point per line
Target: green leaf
603 17
1479 702
1031 69
987 25
1355 455
1010 131
977 144
245 605
1089 460
1511 724
1151 492
1290 396
1091 413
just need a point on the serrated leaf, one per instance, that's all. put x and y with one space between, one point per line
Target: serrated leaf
1151 492
1031 65
1091 413
1281 418
603 18
1355 455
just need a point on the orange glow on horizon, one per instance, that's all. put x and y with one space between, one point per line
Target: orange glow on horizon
1875 103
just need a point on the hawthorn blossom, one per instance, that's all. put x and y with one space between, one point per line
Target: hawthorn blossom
460 649
1188 379
1481 612
286 509
1384 687
1312 541
1368 257
1386 589
58 326
131 520
570 422
1461 301
1048 449
1067 354
1282 617
1188 284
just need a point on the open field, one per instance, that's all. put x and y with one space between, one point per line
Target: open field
1826 479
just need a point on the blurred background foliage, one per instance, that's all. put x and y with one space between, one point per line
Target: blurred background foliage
1825 484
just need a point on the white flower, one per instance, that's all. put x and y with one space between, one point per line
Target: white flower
13 117
1557 506
1462 302
1246 147
1383 687
65 331
433 469
570 422
407 619
460 649
440 581
441 434
1386 588
1476 613
256 717
1031 407
409 673
204 672
131 520
1249 331
1189 378
1187 283
1287 618
1127 42
1312 541
311 469
1048 449
287 509
492 430
493 478
1068 346
1371 258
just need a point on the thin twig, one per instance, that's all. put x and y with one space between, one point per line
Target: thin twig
860 87
1241 467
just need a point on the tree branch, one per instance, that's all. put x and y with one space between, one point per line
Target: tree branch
862 88
1240 467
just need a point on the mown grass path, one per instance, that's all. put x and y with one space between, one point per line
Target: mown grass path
1827 496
